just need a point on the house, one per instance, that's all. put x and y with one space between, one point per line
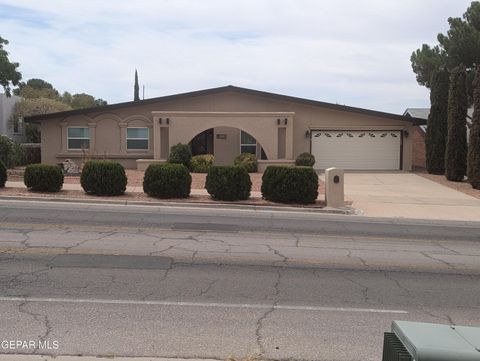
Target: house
227 121
13 131
419 132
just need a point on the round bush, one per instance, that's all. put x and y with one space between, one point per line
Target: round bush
305 160
228 183
6 151
167 181
180 154
201 163
247 160
287 184
3 174
103 178
43 177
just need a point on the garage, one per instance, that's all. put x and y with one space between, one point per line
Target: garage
357 149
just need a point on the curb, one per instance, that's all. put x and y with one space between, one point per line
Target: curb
325 210
18 357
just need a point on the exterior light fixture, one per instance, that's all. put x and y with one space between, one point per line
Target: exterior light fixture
278 121
285 121
406 133
307 134
168 120
160 120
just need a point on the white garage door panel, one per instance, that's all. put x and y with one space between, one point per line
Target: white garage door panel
369 150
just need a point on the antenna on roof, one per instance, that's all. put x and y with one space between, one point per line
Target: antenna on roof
143 95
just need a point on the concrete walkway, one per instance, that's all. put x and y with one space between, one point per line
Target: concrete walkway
407 195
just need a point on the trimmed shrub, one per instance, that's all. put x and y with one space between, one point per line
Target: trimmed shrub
305 160
180 154
456 151
247 160
228 183
18 155
473 169
6 151
3 174
32 153
286 184
167 181
43 177
103 178
202 163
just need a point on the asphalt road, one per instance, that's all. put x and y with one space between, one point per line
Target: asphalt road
112 280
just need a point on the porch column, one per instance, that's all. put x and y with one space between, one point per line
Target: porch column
156 138
93 144
63 128
289 139
123 137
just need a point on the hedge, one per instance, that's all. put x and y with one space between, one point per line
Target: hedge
103 178
456 150
473 168
286 184
436 136
167 181
228 183
247 160
43 177
305 160
3 174
201 163
180 154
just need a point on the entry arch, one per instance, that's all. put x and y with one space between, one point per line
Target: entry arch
263 126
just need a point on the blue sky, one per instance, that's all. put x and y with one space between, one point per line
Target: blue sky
350 52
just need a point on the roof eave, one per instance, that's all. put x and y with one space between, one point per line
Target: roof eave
38 118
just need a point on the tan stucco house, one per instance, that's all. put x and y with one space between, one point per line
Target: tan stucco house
226 121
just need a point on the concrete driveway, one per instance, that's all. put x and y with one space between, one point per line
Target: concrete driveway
407 195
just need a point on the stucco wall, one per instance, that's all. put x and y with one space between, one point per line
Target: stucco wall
306 117
226 150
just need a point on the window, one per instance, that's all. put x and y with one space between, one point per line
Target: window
137 138
78 138
248 144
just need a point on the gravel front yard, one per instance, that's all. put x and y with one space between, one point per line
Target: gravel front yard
135 179
463 187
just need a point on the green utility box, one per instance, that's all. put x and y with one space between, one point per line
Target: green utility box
415 341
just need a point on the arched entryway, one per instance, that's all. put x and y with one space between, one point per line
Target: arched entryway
225 143
273 130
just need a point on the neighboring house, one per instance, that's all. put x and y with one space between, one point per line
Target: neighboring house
13 131
226 121
419 159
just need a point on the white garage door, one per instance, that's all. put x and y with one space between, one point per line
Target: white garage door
353 149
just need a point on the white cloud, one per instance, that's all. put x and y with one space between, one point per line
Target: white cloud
350 52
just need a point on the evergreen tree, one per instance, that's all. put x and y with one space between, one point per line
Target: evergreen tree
436 137
136 96
473 169
456 151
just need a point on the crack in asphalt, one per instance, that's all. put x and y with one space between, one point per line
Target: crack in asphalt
365 289
450 265
45 322
260 324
